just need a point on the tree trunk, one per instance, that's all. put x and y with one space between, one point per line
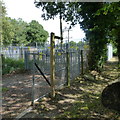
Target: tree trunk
97 51
118 47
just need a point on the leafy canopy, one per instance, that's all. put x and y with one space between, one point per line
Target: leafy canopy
94 18
36 33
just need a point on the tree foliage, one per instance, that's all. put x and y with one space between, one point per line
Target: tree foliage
36 33
112 10
19 32
7 34
96 19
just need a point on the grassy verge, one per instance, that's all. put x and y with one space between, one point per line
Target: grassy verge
89 105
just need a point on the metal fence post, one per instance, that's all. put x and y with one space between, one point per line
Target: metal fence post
33 81
81 62
26 60
21 53
67 66
2 59
52 64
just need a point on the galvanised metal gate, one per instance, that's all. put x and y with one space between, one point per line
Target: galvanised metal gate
67 67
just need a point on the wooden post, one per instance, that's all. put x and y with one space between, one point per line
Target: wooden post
68 66
61 33
81 62
52 64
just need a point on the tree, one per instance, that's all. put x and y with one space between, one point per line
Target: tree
84 14
7 33
95 33
14 31
36 33
2 15
112 11
95 25
72 44
19 30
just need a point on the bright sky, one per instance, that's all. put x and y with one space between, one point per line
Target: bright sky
26 10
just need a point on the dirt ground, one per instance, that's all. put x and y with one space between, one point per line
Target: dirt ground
17 92
16 96
81 100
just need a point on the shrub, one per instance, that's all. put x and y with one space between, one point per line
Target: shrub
10 65
115 51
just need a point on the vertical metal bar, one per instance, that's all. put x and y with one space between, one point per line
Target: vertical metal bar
67 66
26 61
52 64
21 53
38 56
81 62
33 81
71 63
1 61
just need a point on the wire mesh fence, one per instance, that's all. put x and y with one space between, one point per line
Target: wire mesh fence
22 89
42 59
16 52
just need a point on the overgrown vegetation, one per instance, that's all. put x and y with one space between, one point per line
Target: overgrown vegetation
10 65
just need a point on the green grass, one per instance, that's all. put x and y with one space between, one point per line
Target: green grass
87 107
10 65
4 89
89 104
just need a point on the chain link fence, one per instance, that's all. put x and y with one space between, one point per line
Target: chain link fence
42 59
20 90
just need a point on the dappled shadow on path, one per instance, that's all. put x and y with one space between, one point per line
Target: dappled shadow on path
64 99
16 94
81 100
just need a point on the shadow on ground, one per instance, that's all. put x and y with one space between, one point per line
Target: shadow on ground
81 100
